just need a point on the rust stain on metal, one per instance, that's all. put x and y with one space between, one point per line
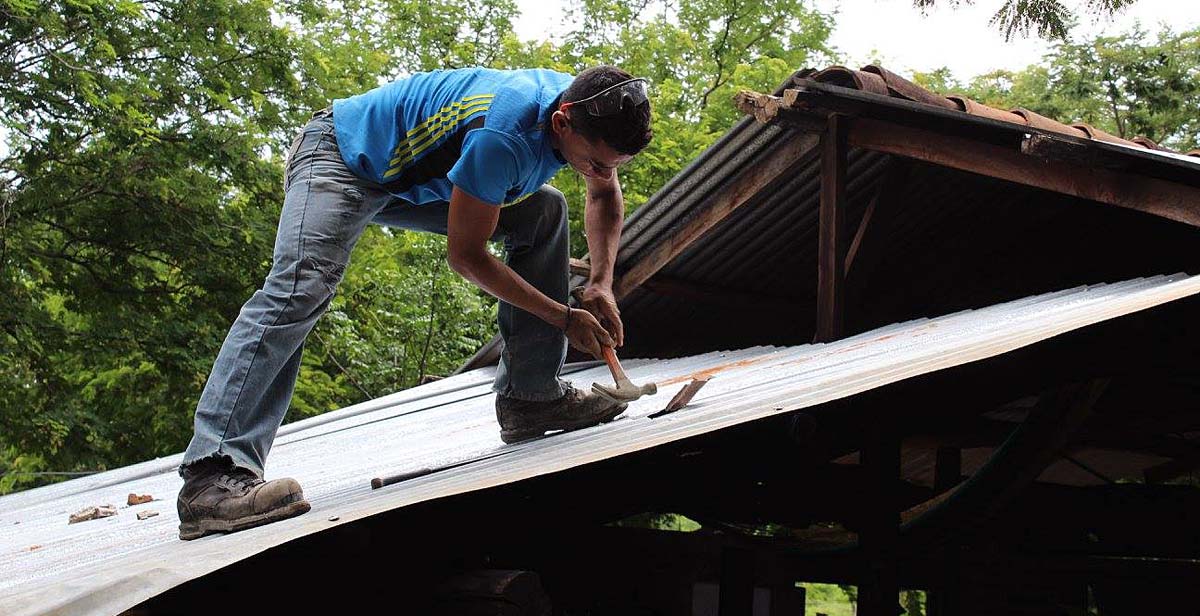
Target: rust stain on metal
705 375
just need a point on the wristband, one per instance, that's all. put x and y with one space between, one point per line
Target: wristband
567 326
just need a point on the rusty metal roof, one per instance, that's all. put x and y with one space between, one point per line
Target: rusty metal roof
878 80
111 564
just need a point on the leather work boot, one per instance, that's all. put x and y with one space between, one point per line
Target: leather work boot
218 497
522 419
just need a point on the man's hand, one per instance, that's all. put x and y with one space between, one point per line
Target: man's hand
586 334
600 302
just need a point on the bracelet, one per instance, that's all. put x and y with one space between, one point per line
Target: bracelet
568 323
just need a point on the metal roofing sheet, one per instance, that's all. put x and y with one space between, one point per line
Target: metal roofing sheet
108 565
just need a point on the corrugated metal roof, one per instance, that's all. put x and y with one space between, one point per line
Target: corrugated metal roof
950 233
107 565
952 240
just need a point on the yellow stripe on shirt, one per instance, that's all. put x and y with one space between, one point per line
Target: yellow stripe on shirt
442 113
450 123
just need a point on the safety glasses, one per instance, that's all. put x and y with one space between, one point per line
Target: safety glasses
613 99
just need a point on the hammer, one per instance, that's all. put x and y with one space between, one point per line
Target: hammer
625 390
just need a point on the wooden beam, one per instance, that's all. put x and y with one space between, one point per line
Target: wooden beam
879 591
580 267
947 468
1043 161
737 582
877 220
831 253
752 179
772 109
1173 469
1169 200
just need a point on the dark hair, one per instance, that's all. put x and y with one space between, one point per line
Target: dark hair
627 131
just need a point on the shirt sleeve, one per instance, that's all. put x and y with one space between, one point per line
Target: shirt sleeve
488 166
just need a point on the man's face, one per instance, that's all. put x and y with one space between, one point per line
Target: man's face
592 159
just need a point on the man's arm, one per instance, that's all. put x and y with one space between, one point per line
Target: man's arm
471 223
604 213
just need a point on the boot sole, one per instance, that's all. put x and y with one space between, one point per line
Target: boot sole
515 436
196 530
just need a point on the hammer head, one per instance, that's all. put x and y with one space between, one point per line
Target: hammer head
625 394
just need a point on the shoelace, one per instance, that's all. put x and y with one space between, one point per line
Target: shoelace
240 481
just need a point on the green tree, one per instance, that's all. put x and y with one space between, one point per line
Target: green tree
139 194
1049 18
141 184
1127 85
697 55
132 221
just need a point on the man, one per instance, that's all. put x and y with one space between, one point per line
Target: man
465 153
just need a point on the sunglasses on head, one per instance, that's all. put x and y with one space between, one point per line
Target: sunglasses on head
613 99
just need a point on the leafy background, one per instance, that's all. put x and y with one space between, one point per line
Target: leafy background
141 173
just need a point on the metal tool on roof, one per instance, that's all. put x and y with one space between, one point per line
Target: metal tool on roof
681 398
625 390
379 482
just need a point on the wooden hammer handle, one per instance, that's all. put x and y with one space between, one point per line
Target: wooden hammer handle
614 366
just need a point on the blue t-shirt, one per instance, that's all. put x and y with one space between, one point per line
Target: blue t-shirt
483 130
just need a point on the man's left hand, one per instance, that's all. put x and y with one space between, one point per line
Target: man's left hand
600 301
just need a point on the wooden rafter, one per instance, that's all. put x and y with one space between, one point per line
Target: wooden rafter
1036 160
752 179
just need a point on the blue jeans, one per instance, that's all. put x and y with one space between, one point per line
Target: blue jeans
325 210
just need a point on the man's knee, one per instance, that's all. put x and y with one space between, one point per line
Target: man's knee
553 206
305 288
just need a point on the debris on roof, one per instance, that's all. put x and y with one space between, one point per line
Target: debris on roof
136 499
92 513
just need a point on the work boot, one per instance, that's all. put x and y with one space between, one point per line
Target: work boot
522 419
218 497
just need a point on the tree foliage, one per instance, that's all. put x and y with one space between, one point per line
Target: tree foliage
1050 19
141 172
140 185
696 56
133 218
1128 85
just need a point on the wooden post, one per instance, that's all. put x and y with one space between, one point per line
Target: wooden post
788 600
942 600
737 582
947 468
879 592
832 254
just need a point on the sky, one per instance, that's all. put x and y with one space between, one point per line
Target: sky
904 40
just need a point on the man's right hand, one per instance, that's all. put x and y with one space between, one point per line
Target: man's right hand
586 334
